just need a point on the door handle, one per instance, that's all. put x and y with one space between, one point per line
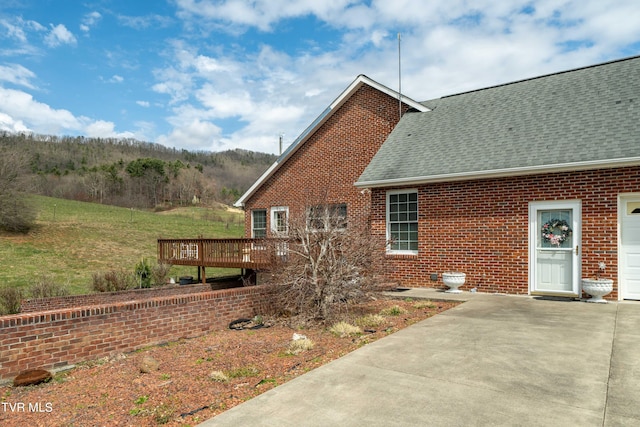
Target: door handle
577 251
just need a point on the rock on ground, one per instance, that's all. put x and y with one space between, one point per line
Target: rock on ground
32 377
149 364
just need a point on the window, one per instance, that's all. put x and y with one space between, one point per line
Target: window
279 220
259 223
633 208
335 214
402 221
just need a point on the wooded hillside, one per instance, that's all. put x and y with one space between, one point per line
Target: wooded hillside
130 173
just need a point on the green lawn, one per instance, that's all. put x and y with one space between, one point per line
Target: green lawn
72 240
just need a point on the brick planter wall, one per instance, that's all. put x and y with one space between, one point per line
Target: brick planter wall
57 303
58 338
480 227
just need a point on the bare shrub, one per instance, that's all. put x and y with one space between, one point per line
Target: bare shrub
324 265
45 287
160 273
16 212
113 280
17 215
10 300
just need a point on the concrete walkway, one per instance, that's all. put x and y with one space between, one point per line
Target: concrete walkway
494 360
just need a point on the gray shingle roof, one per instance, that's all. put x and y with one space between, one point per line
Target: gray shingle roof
584 118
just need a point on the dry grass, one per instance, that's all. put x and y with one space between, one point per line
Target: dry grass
219 376
300 346
344 329
395 310
371 321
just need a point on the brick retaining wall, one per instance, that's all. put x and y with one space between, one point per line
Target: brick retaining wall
58 303
57 338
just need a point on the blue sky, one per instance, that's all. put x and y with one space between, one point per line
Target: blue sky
222 74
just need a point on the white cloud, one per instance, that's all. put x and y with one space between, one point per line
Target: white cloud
261 13
207 66
15 34
224 104
17 74
599 21
59 35
105 129
448 46
310 93
17 28
143 22
195 135
220 90
90 20
40 117
19 112
14 31
7 123
262 96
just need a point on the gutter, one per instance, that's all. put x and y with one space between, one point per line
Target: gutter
500 173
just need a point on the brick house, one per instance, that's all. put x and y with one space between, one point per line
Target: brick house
526 187
322 164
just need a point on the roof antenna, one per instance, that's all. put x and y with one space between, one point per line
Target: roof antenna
399 79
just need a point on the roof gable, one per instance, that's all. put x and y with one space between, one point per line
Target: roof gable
579 119
318 122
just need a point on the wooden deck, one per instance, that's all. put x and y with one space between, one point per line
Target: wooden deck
249 254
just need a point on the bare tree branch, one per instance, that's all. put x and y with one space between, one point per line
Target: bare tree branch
16 214
327 264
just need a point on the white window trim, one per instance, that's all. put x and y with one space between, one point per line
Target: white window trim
388 230
274 210
253 236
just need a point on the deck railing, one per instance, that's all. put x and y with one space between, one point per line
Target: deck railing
235 253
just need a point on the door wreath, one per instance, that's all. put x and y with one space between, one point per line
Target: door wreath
556 231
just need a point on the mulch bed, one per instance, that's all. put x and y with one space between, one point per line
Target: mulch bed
183 391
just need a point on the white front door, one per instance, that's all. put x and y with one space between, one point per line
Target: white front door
629 258
554 248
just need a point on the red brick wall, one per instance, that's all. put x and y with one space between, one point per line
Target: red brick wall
325 168
481 227
72 301
59 338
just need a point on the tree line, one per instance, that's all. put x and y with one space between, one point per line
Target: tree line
129 173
